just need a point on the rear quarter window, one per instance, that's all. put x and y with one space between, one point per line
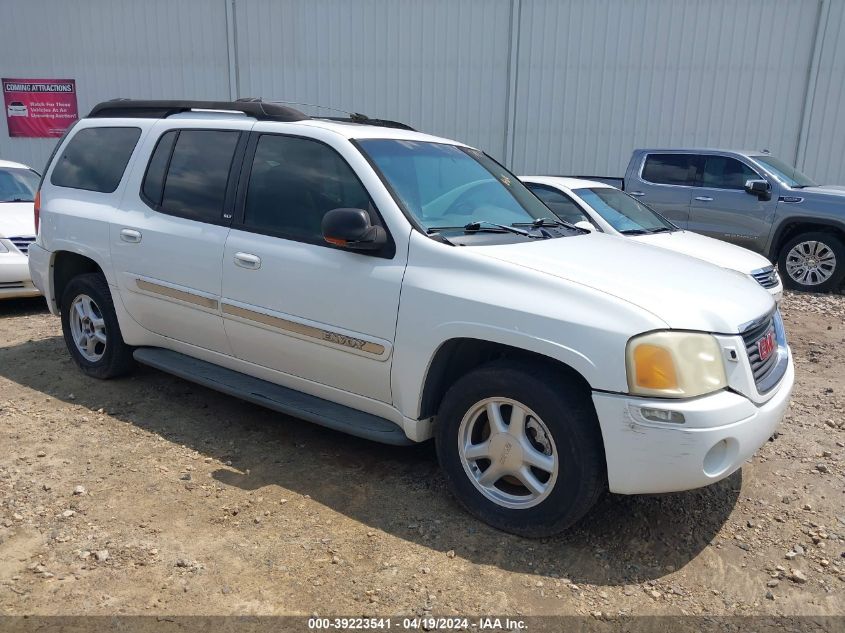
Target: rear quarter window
95 158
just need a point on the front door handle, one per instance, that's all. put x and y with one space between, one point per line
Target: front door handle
704 198
248 261
130 235
637 193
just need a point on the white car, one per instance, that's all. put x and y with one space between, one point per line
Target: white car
398 286
17 228
17 108
599 206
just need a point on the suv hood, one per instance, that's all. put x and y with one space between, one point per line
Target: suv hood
707 249
17 219
684 292
823 190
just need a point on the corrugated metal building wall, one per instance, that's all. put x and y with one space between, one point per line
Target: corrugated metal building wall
548 86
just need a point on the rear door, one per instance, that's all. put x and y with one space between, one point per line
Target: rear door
721 207
665 182
167 241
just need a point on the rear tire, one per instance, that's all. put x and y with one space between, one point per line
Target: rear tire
91 331
812 262
539 472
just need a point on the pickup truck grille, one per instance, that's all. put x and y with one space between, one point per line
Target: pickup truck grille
22 243
768 372
766 277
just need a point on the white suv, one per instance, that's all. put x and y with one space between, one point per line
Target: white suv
398 287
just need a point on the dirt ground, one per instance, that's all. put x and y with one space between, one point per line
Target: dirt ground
150 495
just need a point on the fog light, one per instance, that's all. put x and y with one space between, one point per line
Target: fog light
662 415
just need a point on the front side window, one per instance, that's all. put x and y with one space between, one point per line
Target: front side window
624 213
721 172
95 158
670 169
198 164
447 186
18 185
561 205
788 174
294 182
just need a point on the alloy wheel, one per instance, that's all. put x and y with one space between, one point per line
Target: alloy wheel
88 329
810 263
508 453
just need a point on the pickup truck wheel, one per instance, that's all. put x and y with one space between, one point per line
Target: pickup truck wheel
813 262
90 328
521 448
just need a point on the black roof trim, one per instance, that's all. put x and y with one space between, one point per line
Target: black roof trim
140 109
363 119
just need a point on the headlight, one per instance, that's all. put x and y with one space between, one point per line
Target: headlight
674 365
3 248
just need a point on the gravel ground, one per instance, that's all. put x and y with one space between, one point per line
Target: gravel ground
150 495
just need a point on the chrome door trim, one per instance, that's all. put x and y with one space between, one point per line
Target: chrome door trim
175 293
317 334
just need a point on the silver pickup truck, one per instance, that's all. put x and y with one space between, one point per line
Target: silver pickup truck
751 199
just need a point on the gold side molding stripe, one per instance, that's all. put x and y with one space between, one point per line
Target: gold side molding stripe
305 330
173 293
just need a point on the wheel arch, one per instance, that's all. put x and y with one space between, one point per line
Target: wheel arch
795 225
456 357
65 266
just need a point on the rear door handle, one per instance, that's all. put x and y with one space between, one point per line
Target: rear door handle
248 261
130 235
637 193
704 198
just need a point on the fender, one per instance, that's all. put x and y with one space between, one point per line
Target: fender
779 229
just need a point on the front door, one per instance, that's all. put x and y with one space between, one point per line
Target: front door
292 302
721 207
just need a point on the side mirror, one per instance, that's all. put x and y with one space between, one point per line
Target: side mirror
583 224
759 188
351 228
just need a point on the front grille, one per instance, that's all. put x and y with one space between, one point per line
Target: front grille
22 243
767 373
766 277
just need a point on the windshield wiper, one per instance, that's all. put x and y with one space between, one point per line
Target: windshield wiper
479 225
541 222
662 229
634 232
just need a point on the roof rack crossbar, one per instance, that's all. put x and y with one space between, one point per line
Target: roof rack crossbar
133 108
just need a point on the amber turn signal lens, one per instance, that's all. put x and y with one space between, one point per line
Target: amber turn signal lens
654 367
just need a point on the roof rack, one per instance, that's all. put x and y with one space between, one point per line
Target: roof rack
132 108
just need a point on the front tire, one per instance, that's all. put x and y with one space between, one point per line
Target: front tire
90 328
812 262
520 448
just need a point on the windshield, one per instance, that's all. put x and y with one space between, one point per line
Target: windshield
789 175
622 212
445 185
18 185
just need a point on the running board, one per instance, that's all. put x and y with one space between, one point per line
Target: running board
266 394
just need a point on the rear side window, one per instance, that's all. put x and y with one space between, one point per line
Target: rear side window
294 182
671 169
95 158
562 205
721 172
188 173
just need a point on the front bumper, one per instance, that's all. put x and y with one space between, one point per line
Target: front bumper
720 432
14 277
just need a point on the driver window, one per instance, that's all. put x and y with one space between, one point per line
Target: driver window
721 172
294 182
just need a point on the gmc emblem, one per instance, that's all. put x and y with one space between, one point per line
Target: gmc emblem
766 345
